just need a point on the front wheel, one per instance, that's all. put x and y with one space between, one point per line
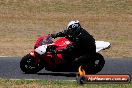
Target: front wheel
30 65
96 64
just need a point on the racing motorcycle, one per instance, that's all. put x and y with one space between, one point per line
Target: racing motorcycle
42 57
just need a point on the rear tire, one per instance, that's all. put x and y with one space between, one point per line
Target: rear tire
96 65
29 66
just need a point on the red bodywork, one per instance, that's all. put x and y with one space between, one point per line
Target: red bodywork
51 60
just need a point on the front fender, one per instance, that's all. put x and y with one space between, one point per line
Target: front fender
32 53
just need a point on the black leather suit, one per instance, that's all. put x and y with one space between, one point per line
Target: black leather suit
83 42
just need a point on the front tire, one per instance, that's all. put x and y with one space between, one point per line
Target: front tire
29 65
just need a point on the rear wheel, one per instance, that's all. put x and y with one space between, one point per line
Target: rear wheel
95 65
30 65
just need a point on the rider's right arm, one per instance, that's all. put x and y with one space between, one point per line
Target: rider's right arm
61 34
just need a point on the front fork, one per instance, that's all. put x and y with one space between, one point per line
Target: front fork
36 57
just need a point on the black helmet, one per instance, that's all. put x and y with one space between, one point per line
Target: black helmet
74 27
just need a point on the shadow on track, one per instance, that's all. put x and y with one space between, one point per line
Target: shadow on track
59 74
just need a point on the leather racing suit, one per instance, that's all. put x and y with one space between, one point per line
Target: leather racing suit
82 42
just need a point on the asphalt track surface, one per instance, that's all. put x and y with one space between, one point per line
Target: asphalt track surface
9 69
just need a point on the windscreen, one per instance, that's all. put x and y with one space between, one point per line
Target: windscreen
46 40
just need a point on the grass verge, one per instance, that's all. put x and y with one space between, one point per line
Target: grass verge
55 84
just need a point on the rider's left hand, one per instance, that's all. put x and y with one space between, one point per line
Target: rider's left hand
53 36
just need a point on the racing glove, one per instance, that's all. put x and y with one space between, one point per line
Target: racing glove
54 36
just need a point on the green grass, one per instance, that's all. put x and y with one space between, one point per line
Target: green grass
55 84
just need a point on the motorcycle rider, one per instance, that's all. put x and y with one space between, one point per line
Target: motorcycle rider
81 40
